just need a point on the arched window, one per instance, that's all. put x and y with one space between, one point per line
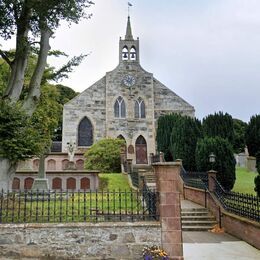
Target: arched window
141 150
119 108
125 53
84 183
57 184
85 132
132 53
51 165
139 108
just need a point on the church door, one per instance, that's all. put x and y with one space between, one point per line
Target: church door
141 150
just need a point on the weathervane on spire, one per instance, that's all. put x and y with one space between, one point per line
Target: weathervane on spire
129 5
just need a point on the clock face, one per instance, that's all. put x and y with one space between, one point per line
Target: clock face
129 80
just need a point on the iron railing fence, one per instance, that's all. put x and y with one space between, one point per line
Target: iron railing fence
195 179
77 206
135 178
151 199
155 158
245 205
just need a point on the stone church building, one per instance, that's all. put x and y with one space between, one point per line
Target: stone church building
125 103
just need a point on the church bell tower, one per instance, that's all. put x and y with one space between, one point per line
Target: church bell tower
129 48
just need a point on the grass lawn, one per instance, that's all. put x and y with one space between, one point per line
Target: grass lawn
244 181
114 181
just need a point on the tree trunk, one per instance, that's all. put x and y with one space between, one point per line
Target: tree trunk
35 83
7 171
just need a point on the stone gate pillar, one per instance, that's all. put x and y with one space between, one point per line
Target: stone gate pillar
167 177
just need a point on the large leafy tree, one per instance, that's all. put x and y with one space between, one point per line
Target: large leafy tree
32 23
219 124
184 139
225 163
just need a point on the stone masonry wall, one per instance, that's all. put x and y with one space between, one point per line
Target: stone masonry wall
77 240
166 101
90 103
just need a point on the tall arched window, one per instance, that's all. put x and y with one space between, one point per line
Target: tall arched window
132 53
139 108
125 53
85 132
119 108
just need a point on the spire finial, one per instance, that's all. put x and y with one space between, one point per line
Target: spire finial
128 35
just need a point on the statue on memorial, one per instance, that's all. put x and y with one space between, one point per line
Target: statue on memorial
71 147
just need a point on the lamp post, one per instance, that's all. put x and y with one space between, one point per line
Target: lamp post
212 159
212 173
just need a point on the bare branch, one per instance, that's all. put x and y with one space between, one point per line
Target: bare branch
4 56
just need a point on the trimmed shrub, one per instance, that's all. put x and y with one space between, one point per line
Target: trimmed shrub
220 125
253 135
184 139
225 161
104 155
165 125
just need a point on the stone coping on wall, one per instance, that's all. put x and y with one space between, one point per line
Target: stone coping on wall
59 172
242 219
82 225
176 163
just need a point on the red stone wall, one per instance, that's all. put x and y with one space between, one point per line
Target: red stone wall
237 226
167 178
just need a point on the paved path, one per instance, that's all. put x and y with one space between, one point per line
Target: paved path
212 246
215 246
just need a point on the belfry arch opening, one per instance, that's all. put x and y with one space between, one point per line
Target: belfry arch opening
132 53
125 53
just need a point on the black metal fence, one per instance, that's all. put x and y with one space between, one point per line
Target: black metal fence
73 206
195 179
245 205
135 178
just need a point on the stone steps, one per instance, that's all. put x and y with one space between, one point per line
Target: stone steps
197 219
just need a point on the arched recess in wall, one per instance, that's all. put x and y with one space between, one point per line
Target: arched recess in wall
65 163
51 165
57 184
71 183
141 150
84 183
36 163
28 182
85 132
16 184
80 164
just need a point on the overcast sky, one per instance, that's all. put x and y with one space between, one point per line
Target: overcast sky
206 51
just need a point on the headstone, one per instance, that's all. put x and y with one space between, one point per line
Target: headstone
41 182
